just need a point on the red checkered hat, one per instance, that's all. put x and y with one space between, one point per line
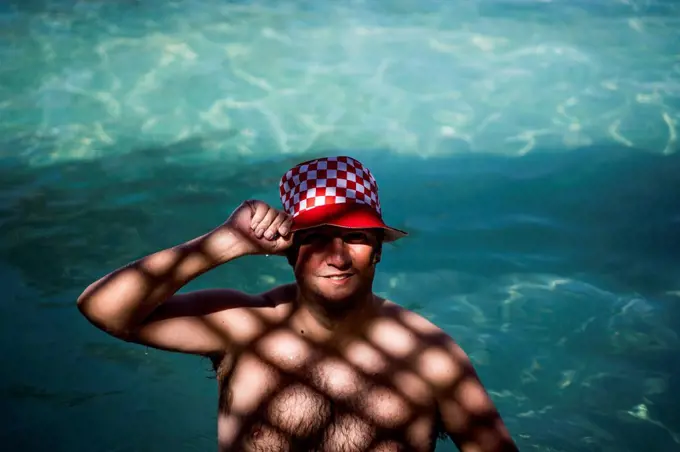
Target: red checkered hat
337 191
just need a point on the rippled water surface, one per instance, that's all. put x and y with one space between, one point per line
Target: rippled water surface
529 147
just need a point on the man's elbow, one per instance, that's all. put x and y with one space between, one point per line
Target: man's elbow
484 435
498 445
109 324
492 440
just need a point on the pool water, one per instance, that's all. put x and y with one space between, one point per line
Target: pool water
529 147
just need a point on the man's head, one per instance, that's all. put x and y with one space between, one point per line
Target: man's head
337 225
336 265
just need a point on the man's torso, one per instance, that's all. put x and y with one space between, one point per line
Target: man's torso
285 393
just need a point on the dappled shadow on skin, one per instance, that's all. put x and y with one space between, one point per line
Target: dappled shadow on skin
384 406
321 418
371 391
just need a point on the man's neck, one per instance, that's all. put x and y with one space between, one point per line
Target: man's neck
321 325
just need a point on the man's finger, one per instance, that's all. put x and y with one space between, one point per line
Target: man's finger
265 223
261 210
272 230
286 225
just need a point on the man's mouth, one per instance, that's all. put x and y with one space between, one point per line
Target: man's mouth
338 277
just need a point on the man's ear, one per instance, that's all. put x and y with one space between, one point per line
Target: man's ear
376 257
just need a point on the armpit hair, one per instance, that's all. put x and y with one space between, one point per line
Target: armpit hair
222 367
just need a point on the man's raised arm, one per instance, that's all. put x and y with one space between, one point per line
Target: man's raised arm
138 302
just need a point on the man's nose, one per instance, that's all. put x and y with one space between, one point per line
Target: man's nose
337 253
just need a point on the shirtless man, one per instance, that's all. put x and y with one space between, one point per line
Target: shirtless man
322 364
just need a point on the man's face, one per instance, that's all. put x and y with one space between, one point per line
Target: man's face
336 265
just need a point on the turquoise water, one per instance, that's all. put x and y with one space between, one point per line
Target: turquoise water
530 147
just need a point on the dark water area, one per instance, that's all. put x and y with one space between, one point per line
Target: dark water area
530 149
587 241
610 212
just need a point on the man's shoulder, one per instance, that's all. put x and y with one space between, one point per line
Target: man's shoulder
414 323
435 352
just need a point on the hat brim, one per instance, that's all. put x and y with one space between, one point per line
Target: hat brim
345 215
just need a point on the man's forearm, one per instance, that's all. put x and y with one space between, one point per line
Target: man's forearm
123 299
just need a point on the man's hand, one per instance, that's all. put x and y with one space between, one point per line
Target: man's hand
260 228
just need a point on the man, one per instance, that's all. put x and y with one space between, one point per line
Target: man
322 364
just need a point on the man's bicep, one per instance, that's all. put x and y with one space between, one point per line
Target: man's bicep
195 323
468 414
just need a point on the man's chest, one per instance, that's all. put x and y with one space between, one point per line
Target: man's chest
288 395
